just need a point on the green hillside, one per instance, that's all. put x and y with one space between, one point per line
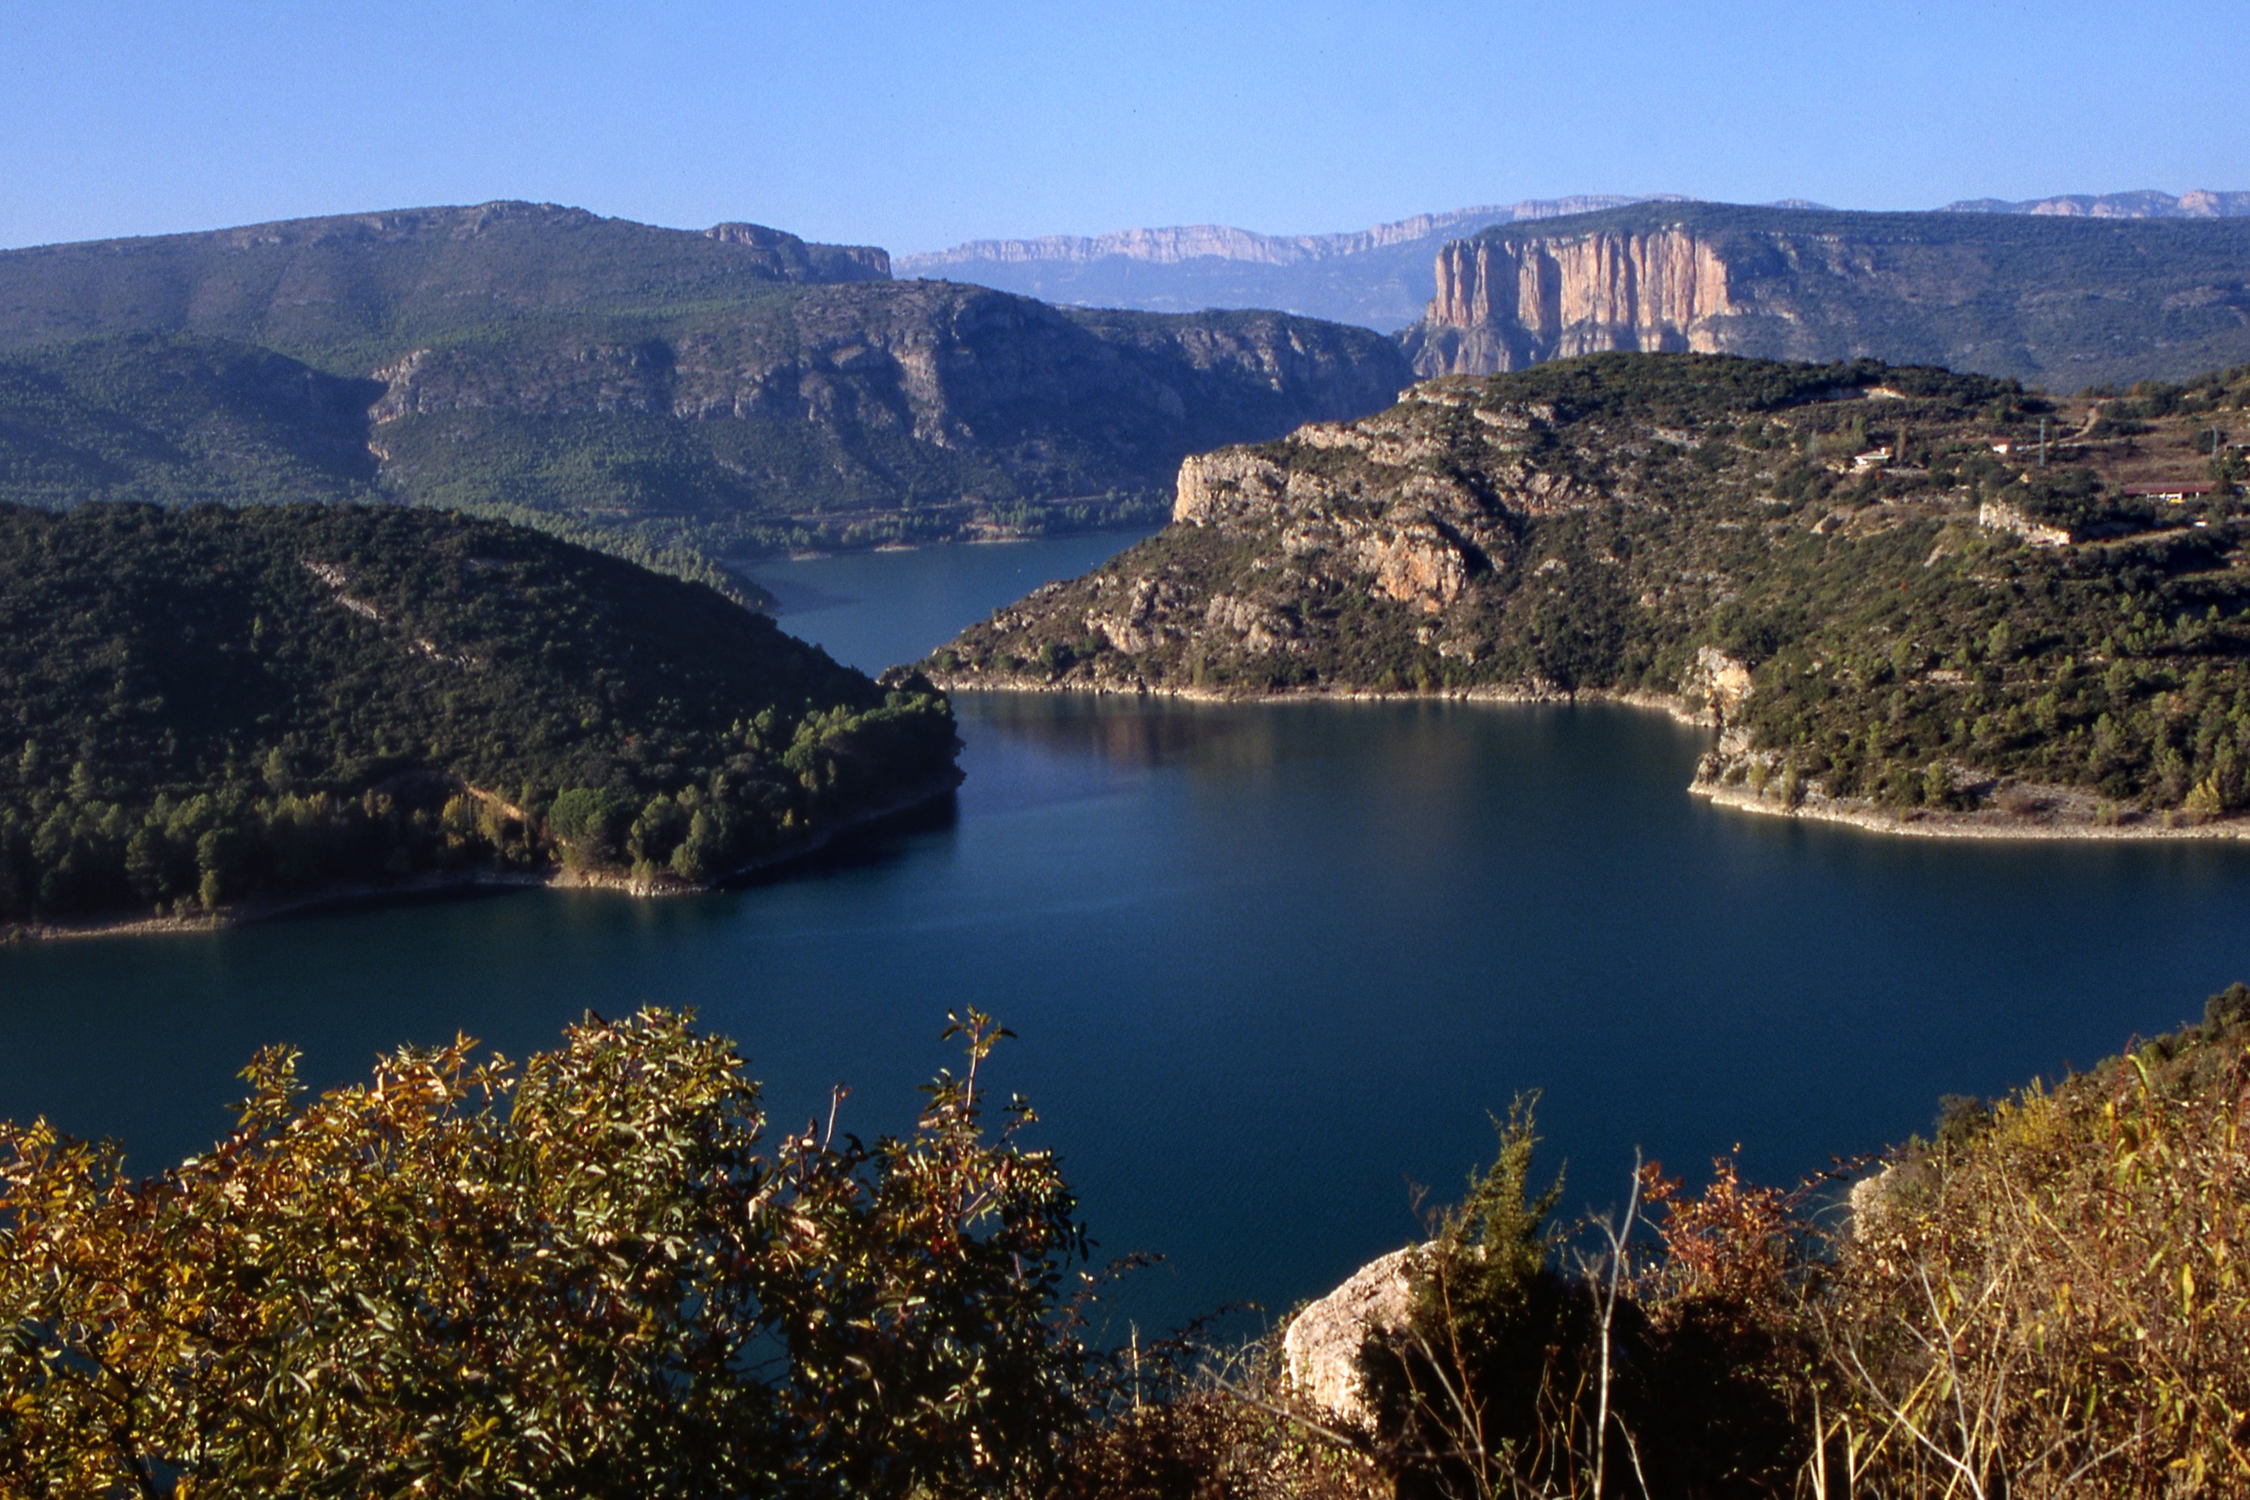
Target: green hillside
176 421
204 707
169 419
342 292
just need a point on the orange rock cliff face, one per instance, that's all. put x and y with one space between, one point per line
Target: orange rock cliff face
1502 305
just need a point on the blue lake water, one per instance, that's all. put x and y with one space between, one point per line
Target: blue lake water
1268 964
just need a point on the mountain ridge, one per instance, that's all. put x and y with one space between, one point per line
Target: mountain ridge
1173 243
688 395
2141 203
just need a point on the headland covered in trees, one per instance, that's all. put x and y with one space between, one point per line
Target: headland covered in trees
1909 598
212 711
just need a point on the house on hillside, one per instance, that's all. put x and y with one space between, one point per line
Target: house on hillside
2176 491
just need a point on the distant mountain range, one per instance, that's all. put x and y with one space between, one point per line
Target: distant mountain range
2199 203
673 394
1380 277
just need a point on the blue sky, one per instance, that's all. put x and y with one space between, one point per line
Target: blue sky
918 125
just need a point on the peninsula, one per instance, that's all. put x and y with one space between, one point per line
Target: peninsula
1904 596
209 713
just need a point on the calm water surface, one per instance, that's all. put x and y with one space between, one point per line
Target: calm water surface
1268 964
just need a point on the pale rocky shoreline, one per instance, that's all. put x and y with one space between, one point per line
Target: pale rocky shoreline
1982 824
1987 824
446 884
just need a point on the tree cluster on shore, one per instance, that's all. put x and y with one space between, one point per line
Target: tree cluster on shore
210 706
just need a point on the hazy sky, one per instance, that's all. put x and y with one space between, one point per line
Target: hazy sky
917 125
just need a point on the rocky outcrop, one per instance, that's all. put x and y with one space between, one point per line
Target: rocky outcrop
2000 515
1717 684
1419 548
1320 1351
794 259
1506 304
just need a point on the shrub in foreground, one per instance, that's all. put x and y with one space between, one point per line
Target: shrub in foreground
594 1274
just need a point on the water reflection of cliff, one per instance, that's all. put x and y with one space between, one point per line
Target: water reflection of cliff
1135 732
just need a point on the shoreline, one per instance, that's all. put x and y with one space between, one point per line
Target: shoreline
742 563
1663 703
1958 825
453 885
1989 826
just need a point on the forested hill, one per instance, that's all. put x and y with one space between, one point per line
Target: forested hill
674 396
208 706
341 292
1900 600
169 419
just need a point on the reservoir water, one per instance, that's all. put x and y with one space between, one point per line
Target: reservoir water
1269 965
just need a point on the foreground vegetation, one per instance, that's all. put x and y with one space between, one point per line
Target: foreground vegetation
1892 593
597 1274
207 707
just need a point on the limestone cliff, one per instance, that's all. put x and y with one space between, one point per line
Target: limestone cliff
1504 304
2053 300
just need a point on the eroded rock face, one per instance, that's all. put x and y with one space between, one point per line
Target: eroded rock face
1999 515
1718 682
1417 565
1320 1351
1507 304
1144 617
1259 628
